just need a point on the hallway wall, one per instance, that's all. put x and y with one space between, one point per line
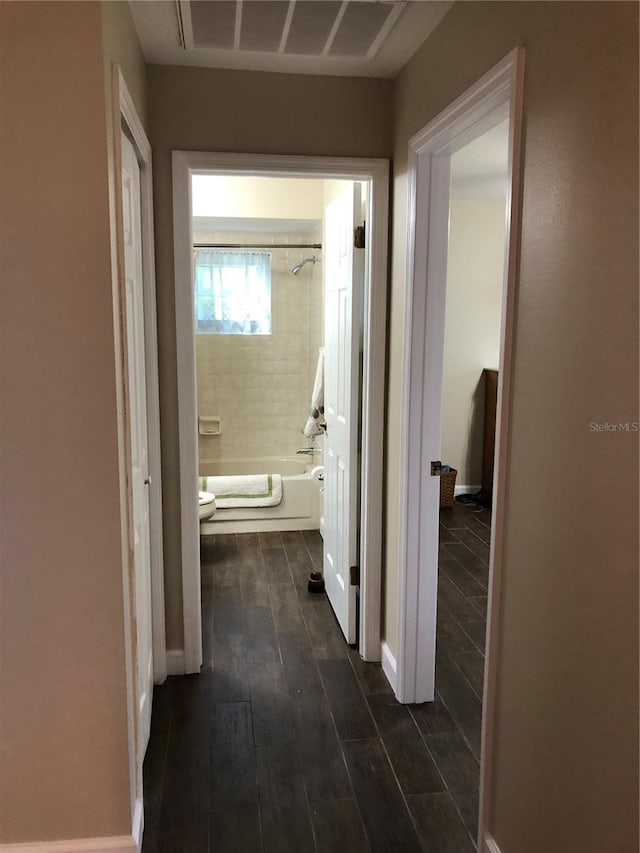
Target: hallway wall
203 109
121 45
565 756
475 269
63 730
567 746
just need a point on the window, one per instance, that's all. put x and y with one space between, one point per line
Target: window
232 292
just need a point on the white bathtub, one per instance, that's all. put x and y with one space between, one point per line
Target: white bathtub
300 506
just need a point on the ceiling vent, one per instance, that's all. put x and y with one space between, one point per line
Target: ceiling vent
349 29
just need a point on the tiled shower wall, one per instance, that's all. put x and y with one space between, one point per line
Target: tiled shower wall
260 386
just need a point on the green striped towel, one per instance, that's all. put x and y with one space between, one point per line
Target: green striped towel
244 490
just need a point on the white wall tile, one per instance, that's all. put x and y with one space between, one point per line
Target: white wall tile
261 386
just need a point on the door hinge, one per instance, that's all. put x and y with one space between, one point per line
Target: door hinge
354 575
436 468
359 236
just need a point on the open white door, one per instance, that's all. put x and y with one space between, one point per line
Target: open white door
344 268
137 422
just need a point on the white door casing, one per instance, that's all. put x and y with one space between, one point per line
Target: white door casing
343 279
483 106
137 423
376 174
498 94
125 116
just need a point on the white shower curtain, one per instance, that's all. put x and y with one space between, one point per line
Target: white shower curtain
315 421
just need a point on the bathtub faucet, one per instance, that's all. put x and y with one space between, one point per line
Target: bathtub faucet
307 451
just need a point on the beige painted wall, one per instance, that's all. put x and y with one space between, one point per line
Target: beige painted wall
121 46
62 668
566 751
472 330
257 113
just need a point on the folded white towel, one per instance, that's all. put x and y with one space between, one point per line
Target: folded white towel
244 490
316 410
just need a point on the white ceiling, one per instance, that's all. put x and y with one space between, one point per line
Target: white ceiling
362 38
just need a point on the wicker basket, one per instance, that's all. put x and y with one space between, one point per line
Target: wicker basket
447 488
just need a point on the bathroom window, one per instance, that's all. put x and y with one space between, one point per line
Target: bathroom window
232 292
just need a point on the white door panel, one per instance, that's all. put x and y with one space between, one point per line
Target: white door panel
343 284
137 420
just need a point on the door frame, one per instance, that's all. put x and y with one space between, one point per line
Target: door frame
125 116
376 172
498 94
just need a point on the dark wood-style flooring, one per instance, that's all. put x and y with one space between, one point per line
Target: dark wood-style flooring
288 741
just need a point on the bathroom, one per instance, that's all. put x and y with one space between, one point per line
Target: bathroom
257 345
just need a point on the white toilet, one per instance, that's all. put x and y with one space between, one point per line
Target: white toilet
206 505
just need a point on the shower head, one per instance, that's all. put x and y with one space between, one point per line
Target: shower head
299 266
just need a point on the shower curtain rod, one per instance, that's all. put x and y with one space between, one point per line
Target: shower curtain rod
257 245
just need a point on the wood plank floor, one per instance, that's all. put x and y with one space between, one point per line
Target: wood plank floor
288 741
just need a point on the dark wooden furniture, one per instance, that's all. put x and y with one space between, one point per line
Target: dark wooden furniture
490 404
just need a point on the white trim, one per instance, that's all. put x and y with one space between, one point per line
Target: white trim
466 490
137 830
130 117
377 172
115 844
175 662
389 665
117 262
503 434
187 414
489 845
124 117
494 97
373 415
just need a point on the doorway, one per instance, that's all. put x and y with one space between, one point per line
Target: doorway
140 478
494 99
138 426
374 174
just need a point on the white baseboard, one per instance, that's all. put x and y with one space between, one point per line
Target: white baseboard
489 845
119 844
175 662
466 490
389 665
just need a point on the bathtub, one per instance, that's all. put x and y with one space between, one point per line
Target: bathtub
300 506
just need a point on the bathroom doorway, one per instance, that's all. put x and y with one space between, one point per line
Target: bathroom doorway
369 358
278 284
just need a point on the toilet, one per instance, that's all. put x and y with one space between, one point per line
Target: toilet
206 505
